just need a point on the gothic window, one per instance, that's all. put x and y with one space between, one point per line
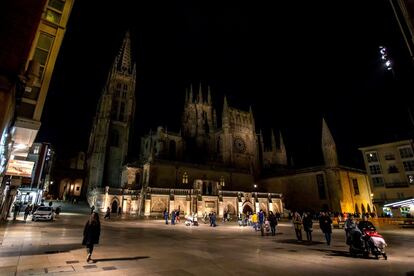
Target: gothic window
118 85
122 112
356 187
114 138
125 87
114 112
185 178
321 186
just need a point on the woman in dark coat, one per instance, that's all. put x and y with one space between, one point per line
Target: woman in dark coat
307 225
91 234
273 222
325 223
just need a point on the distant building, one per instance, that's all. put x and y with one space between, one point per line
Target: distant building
69 178
34 31
328 187
391 171
32 189
210 165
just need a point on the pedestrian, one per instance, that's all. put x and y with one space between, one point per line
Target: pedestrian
350 224
166 215
119 210
297 222
261 221
27 211
16 210
173 217
92 208
307 225
273 222
91 234
108 213
325 223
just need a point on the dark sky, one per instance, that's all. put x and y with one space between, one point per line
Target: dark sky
293 62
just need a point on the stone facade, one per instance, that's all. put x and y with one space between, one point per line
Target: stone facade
329 187
109 139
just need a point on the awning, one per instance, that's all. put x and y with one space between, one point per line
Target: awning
402 203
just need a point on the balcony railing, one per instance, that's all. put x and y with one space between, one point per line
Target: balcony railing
392 185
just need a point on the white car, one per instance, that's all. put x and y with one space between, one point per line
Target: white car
43 213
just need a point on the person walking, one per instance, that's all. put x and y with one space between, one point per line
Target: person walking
273 222
27 211
325 224
108 213
261 221
307 225
297 222
92 208
119 211
91 234
165 215
349 225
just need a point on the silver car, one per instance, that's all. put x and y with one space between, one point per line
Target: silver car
43 213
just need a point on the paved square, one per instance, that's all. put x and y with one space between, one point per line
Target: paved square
138 247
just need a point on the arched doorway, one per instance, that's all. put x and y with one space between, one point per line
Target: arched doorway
114 206
247 209
230 209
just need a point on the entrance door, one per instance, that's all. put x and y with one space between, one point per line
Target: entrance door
114 207
247 209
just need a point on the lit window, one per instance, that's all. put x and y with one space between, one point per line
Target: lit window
222 183
185 178
53 16
372 157
410 178
406 152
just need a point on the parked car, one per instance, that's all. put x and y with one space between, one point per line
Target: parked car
43 213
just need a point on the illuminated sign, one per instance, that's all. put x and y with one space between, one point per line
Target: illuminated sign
20 168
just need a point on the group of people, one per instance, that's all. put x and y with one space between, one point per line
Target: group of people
305 221
29 208
175 216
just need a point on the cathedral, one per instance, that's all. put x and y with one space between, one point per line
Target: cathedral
211 165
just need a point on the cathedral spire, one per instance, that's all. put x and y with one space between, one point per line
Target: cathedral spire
281 143
274 147
209 95
200 94
123 59
190 99
328 146
225 106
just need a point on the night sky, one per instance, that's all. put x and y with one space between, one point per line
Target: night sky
293 62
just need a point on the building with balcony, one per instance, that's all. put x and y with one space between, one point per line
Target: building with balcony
31 40
390 169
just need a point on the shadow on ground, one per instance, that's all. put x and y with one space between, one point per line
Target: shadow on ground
38 250
120 259
293 241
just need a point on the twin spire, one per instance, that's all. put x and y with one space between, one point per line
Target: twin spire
189 95
123 61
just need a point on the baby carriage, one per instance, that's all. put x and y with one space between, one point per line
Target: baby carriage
191 220
366 242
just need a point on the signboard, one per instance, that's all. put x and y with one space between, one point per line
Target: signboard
20 168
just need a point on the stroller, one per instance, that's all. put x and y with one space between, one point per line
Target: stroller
191 220
366 242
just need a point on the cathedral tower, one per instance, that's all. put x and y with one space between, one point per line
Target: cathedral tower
198 125
328 147
108 144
